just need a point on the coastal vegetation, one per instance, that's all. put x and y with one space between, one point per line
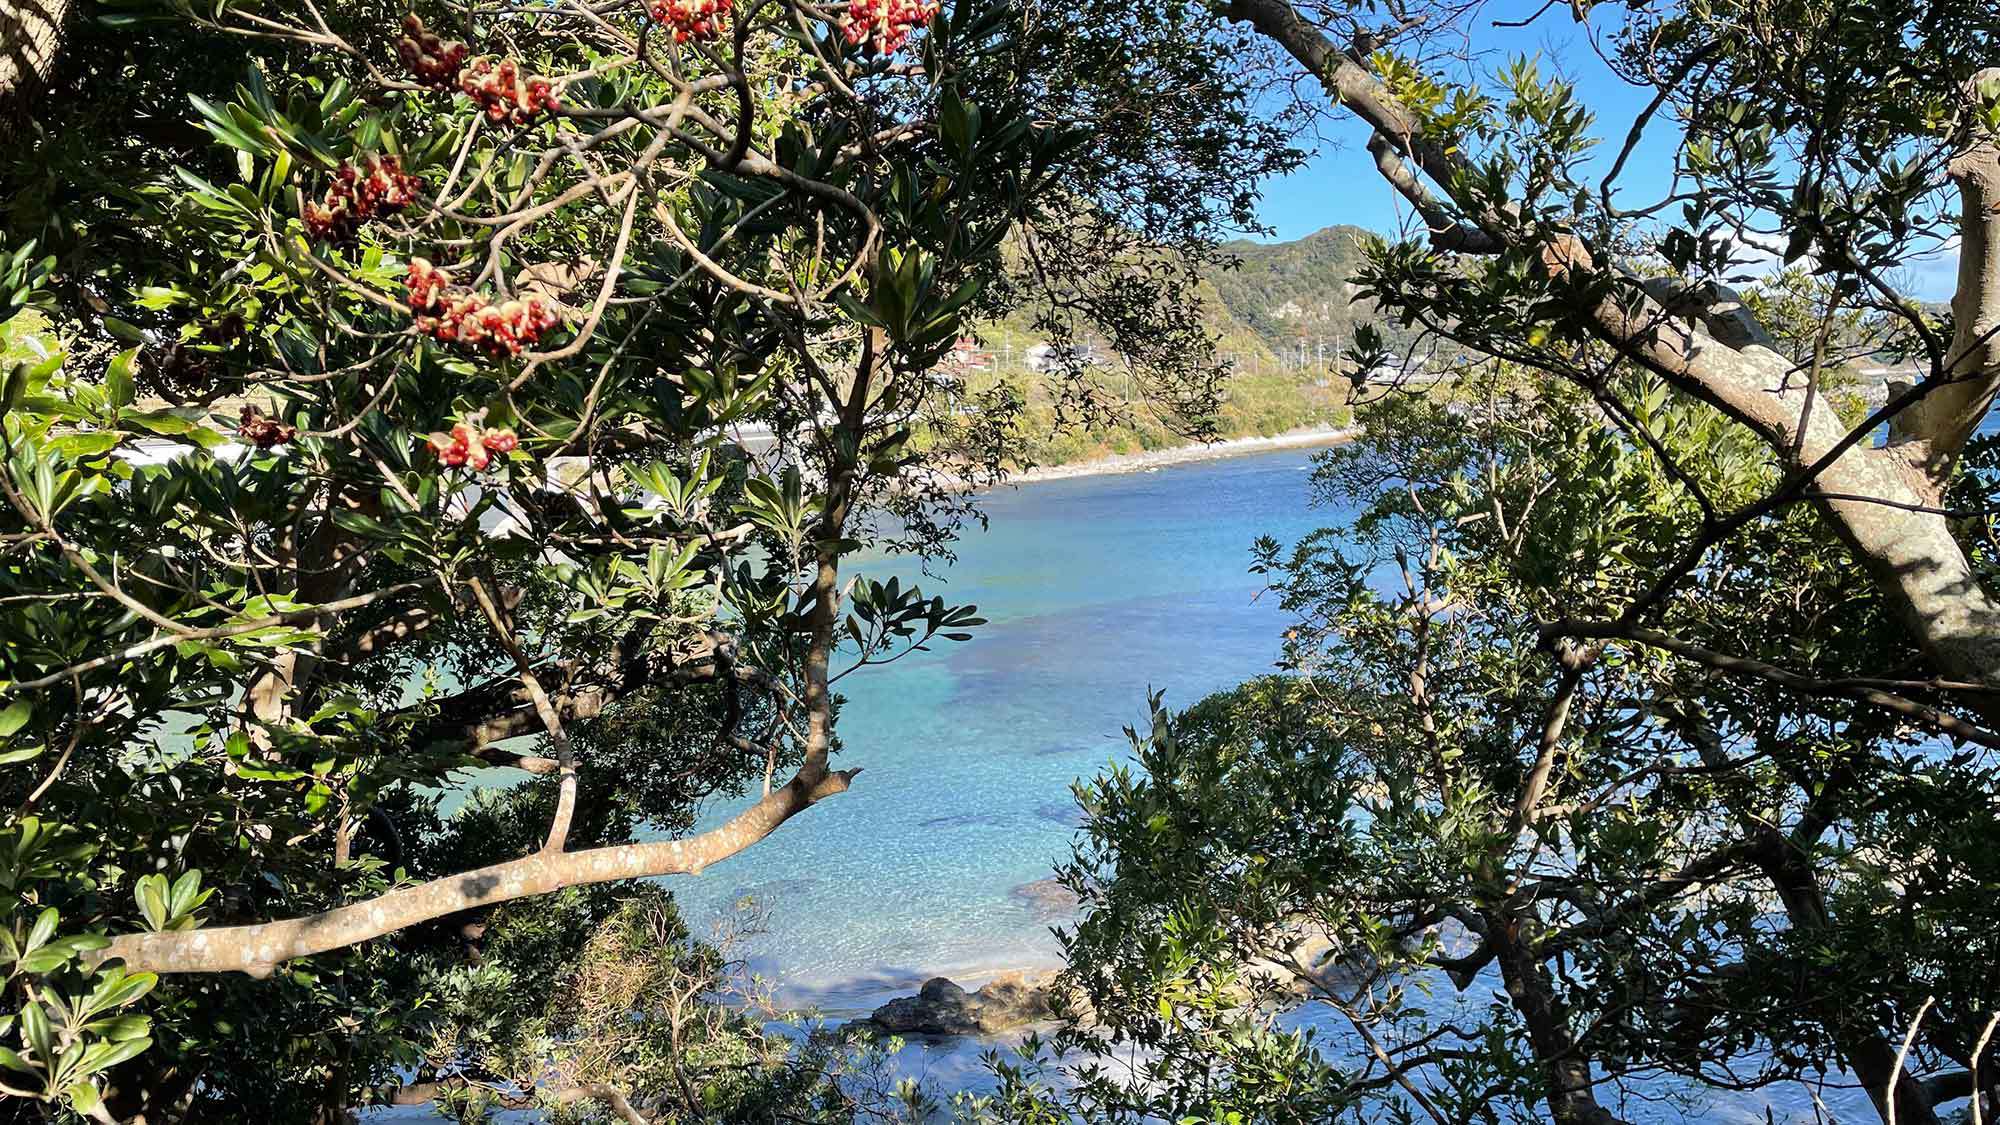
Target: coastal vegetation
324 298
1645 707
388 586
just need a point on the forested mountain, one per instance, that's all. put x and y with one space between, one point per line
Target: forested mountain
1285 293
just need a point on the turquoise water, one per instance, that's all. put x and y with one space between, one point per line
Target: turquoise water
1097 589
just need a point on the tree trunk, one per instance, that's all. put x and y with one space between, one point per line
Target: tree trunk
1572 1095
30 39
1868 1052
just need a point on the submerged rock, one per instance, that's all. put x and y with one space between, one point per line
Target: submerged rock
1047 899
941 1007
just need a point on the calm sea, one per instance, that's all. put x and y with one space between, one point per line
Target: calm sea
1097 589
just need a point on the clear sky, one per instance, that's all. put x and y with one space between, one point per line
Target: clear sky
1338 184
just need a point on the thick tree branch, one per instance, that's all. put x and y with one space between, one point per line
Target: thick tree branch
1945 419
259 949
1912 555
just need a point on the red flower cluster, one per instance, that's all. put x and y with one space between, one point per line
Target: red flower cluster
692 19
466 444
263 432
357 196
459 316
435 62
885 24
500 88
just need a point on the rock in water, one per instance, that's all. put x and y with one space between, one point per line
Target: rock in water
941 1007
1047 899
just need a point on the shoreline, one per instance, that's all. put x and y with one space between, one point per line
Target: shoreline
1306 438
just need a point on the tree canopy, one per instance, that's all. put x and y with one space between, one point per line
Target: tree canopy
1652 692
395 392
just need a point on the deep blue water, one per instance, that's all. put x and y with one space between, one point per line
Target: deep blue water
1097 589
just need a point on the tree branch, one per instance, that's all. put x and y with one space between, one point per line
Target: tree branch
1937 720
259 949
1913 556
1944 420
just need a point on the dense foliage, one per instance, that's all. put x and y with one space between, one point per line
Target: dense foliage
1451 849
1654 688
433 439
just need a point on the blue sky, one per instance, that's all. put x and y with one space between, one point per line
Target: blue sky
1338 184
1340 179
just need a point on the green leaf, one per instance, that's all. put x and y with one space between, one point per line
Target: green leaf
151 894
118 380
362 524
78 447
46 960
82 1095
104 1056
124 329
119 1028
186 893
44 928
15 716
37 1033
115 990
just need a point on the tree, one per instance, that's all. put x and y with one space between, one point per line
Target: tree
1850 139
1657 868
1860 149
384 401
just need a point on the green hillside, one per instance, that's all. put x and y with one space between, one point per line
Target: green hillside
1288 293
1281 316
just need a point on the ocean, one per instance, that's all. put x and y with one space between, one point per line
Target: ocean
1096 589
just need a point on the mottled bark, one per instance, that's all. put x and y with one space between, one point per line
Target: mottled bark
1946 417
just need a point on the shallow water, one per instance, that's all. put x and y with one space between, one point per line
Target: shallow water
1097 589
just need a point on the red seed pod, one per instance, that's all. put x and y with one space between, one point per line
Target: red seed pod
505 94
261 431
468 445
692 20
444 312
426 284
455 448
432 61
376 187
883 26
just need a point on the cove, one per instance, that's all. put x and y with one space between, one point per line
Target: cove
1096 589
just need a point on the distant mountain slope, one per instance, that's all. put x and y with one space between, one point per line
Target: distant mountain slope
1285 302
1288 293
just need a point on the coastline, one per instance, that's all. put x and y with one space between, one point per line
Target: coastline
1308 437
